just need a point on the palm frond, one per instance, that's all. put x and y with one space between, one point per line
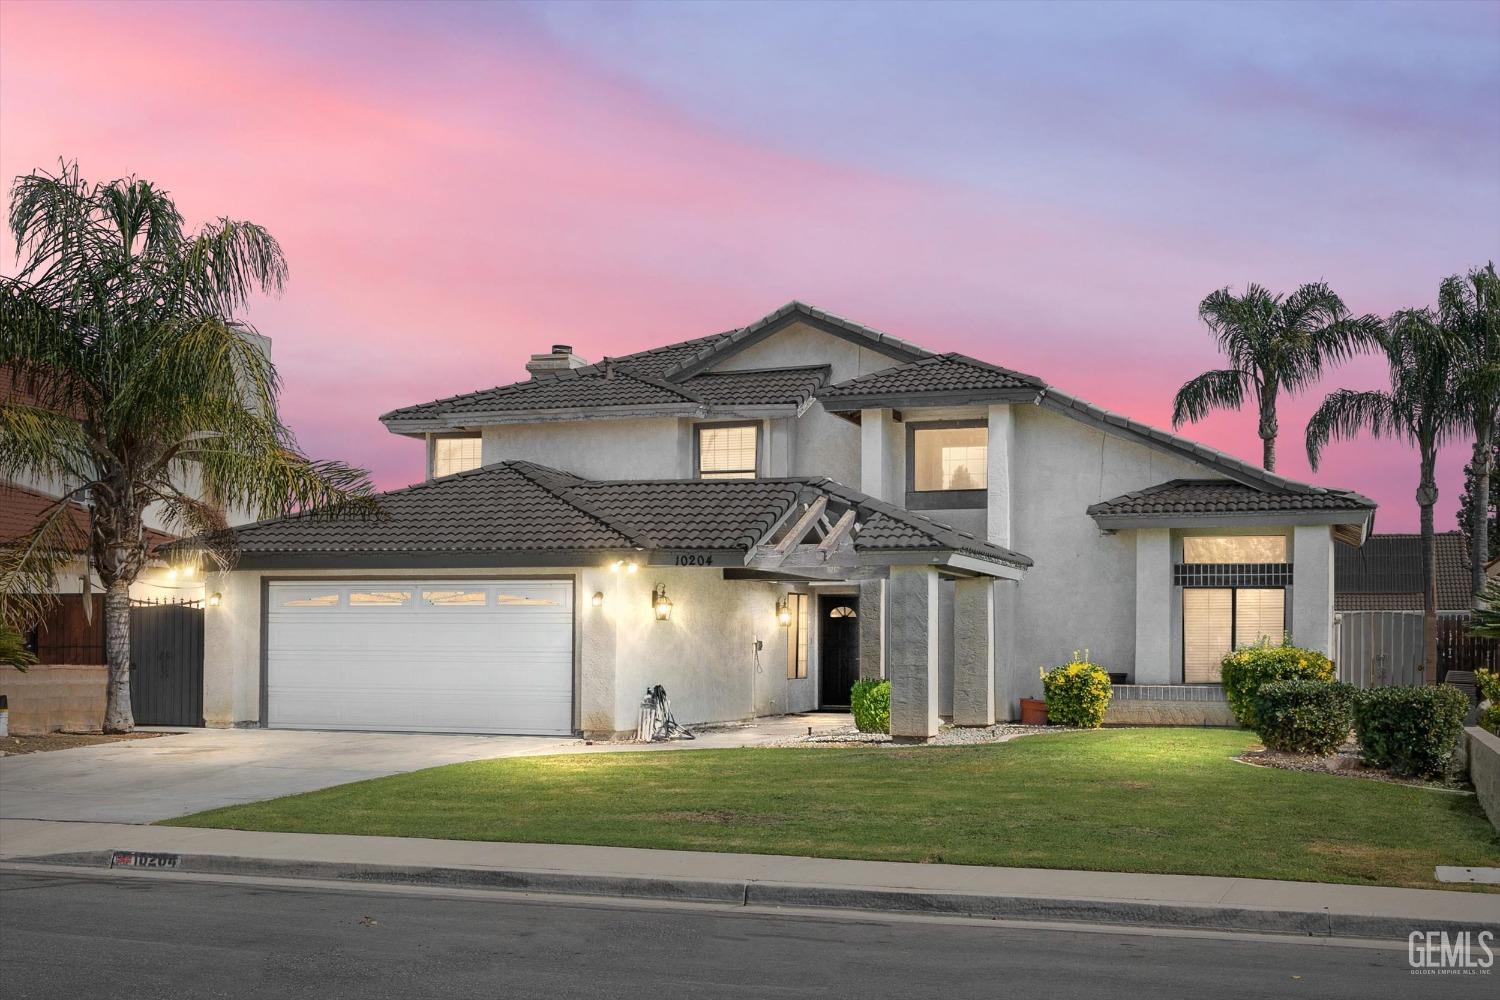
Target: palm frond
1344 413
1224 389
38 444
30 564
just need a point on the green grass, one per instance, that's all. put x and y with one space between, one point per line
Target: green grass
1134 800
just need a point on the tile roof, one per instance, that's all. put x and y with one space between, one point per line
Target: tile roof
1223 496
940 373
663 376
525 507
1385 574
21 509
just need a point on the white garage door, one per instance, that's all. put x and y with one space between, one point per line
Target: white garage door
459 656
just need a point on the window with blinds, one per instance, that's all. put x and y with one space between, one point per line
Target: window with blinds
727 452
455 454
1216 620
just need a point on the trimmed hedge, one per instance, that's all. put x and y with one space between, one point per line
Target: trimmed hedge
870 701
1077 693
1245 671
1302 716
1412 731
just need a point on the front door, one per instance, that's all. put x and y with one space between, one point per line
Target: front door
838 648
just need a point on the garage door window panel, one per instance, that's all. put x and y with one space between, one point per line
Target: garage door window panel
455 598
309 597
379 598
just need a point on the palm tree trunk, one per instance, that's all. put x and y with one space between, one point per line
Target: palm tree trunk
1484 461
1427 495
1268 426
117 715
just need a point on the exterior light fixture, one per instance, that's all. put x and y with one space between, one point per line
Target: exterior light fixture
631 567
598 599
215 599
661 605
172 573
187 571
783 613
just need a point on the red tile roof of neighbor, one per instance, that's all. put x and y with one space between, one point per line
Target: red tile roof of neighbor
22 508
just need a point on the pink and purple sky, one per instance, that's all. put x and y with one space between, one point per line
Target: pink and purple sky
1052 188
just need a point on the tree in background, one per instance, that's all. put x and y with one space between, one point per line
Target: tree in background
1274 343
1467 504
1422 408
122 329
1469 308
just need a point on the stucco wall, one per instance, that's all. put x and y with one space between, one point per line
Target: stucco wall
48 697
1081 592
646 448
704 655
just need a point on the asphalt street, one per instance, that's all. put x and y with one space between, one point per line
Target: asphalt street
102 935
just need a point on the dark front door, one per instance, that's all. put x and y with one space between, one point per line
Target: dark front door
838 648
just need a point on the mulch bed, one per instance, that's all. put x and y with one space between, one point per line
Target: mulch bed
1346 762
64 741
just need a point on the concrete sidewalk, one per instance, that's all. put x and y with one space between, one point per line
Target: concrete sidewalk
1261 905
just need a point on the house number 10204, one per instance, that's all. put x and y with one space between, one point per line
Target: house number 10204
694 560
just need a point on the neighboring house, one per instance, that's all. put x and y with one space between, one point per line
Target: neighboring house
754 519
1385 574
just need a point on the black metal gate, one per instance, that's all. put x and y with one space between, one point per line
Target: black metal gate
166 664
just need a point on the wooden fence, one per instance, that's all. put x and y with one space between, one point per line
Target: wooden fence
1383 648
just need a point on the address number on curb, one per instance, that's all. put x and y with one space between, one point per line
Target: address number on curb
144 859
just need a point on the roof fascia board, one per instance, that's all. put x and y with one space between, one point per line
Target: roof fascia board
472 421
430 559
1093 416
898 400
1232 520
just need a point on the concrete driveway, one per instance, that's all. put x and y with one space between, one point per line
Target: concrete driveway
143 781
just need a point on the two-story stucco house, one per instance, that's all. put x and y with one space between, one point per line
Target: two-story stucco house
755 519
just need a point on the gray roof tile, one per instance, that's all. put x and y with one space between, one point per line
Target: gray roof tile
1385 574
941 373
1222 496
525 507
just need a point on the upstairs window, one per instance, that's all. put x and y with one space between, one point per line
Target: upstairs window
455 453
947 464
728 451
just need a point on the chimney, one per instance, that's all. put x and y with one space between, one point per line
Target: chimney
561 359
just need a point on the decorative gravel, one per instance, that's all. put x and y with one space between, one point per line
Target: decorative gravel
1345 762
947 736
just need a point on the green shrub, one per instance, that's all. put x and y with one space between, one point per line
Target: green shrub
1488 683
1410 730
1077 692
1489 719
870 701
1245 671
1301 716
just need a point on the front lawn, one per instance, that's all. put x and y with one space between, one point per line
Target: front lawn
1134 800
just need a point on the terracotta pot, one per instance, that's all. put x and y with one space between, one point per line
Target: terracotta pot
1033 712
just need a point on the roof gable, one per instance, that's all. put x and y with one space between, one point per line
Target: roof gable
938 378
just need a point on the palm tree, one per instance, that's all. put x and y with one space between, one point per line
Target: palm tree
142 390
1469 308
1273 343
1423 408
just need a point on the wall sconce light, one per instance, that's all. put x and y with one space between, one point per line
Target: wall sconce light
784 613
660 603
598 599
620 564
187 571
215 599
631 567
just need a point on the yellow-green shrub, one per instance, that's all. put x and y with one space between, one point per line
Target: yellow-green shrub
1245 671
1077 692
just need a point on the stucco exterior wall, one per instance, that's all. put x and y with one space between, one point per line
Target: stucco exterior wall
704 655
645 448
1081 592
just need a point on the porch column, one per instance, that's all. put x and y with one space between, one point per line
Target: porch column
1312 587
974 652
1153 606
911 658
872 630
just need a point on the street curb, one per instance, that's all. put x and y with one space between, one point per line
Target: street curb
740 892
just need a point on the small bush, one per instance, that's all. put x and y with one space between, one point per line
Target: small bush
1077 693
1245 671
1410 730
1489 719
870 701
1301 716
1488 683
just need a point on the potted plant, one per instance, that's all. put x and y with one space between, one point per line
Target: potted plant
1033 712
